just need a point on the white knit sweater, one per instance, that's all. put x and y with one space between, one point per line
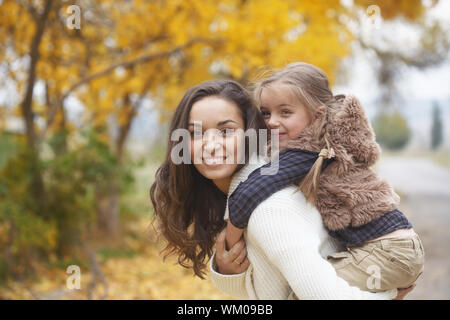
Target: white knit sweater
287 246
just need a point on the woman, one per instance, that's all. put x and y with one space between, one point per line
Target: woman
286 248
189 199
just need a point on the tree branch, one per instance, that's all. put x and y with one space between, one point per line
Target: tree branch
132 63
125 64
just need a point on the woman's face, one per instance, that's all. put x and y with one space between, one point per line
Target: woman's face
282 110
216 142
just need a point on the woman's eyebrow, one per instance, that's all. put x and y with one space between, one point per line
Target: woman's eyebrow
220 123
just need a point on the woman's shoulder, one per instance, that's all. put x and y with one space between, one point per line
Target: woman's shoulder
285 218
287 197
286 206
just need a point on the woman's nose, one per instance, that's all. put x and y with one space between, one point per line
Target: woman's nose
211 143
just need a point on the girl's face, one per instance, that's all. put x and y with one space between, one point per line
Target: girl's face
215 139
282 110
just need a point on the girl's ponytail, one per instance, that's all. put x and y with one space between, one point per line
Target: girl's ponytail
310 183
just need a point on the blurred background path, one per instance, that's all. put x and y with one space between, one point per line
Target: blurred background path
425 199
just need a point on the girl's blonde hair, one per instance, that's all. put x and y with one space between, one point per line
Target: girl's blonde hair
310 86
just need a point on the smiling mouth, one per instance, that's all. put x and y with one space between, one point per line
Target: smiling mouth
214 160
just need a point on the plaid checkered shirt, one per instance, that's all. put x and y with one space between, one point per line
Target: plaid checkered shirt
293 165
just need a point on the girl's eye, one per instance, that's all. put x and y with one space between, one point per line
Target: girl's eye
285 112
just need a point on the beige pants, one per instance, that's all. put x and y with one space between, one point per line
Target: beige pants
382 264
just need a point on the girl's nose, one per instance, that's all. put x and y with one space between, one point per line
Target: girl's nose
273 122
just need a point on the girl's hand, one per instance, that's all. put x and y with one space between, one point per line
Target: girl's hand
233 261
401 293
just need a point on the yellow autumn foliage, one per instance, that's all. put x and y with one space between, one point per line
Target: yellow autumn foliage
182 41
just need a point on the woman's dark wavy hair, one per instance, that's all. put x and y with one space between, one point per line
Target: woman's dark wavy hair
189 207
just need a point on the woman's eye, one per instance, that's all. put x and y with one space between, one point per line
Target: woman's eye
196 134
227 131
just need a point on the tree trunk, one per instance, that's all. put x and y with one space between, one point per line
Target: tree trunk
61 129
108 203
108 209
124 129
26 105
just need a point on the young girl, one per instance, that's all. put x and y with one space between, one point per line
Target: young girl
321 132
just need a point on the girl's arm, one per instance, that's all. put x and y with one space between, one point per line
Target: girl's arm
293 166
233 235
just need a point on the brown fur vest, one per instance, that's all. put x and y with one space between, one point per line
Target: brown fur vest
349 192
